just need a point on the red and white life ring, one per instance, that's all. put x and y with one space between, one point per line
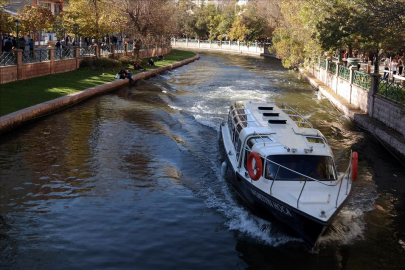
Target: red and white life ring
259 166
355 160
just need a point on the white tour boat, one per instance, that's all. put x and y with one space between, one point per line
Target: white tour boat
283 168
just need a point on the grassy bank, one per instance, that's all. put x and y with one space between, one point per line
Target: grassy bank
18 95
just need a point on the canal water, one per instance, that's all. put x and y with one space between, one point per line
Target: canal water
131 180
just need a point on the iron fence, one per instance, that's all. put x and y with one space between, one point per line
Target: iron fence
130 47
332 67
35 56
105 49
362 79
322 63
391 90
120 48
64 53
8 59
87 51
344 72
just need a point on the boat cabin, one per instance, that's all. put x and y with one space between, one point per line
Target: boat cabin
290 148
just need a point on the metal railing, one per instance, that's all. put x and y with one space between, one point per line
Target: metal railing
344 72
130 47
120 48
322 63
64 53
332 67
87 51
391 90
8 59
362 79
35 56
105 49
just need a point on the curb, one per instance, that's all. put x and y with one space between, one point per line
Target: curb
391 139
15 119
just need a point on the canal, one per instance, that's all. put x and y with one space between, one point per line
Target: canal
131 180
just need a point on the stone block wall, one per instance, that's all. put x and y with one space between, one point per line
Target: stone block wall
390 114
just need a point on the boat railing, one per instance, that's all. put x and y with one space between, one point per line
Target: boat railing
285 107
307 178
346 175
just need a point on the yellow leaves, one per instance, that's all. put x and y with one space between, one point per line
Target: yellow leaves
35 18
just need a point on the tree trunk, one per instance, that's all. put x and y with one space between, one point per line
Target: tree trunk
137 48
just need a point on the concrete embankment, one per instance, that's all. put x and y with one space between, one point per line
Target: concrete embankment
17 118
391 139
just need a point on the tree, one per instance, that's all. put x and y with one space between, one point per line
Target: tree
35 18
227 19
184 19
248 26
295 39
152 20
94 17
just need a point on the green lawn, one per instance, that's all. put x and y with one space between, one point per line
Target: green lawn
18 95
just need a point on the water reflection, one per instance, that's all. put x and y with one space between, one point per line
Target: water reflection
132 180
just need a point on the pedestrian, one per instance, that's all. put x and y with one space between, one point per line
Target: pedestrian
400 65
386 68
31 45
22 43
8 46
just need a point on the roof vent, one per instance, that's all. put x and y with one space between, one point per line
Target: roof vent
265 108
277 121
270 114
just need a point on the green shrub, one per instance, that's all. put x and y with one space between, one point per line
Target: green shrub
106 62
100 62
126 60
86 62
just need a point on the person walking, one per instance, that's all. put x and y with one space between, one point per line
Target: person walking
31 45
8 46
22 43
386 68
400 65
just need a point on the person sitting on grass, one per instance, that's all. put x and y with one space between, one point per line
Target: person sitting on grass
151 63
137 66
123 74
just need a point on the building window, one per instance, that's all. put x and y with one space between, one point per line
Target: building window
57 10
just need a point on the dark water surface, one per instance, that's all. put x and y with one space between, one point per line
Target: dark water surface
131 180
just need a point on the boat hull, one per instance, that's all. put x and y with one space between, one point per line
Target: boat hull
270 208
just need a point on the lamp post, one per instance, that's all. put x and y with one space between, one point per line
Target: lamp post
376 66
340 56
17 23
76 28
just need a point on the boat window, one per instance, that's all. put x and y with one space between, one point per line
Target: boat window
317 167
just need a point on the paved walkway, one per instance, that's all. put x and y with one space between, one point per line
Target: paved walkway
392 140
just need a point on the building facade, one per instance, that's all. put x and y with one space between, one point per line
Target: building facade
56 6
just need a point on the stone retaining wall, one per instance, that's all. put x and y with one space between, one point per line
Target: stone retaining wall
15 119
384 115
390 113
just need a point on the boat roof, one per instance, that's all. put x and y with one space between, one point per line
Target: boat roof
282 130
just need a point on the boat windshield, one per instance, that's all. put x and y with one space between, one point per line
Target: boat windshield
317 167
